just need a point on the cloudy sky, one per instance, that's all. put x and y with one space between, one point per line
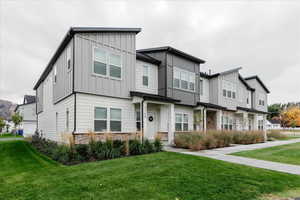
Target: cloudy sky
263 37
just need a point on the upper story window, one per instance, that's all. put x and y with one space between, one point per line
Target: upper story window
145 76
55 74
69 57
229 89
261 100
107 64
183 79
201 87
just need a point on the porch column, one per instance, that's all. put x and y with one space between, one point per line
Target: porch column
245 121
145 119
204 119
219 119
255 122
171 128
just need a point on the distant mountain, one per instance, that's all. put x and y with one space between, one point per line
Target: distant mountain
6 109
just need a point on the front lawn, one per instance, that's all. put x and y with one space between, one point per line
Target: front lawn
289 154
25 174
8 135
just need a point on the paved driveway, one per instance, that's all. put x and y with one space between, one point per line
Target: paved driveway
221 154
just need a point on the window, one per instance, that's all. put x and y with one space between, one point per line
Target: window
138 120
247 100
183 79
100 62
69 57
67 120
229 89
260 124
233 95
224 92
176 78
100 122
115 69
55 74
227 122
145 76
181 122
115 119
229 94
192 82
201 87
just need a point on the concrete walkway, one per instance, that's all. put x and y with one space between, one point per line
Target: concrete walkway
11 139
221 154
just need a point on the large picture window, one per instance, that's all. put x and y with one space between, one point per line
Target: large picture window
107 117
183 79
107 64
181 122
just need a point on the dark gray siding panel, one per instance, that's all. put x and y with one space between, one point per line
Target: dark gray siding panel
39 99
119 43
63 86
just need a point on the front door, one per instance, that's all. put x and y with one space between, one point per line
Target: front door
152 123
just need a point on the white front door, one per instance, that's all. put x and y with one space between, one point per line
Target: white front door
152 124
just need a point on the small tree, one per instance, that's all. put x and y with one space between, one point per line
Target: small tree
2 124
17 119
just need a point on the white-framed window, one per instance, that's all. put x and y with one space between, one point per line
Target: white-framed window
100 66
55 74
138 120
107 117
69 57
261 124
107 64
201 87
145 76
183 79
115 66
181 122
100 119
229 89
227 122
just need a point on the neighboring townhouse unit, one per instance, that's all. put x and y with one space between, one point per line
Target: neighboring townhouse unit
97 81
28 111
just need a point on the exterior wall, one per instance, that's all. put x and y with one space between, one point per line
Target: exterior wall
28 112
259 91
87 81
40 98
28 128
50 127
242 94
64 84
152 81
224 101
204 97
186 110
86 103
214 90
164 118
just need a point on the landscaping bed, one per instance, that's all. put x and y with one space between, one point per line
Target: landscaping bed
71 153
216 139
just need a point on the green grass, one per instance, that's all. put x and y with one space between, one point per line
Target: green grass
289 154
25 174
8 135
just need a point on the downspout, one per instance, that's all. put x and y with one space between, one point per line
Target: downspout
203 125
73 90
142 118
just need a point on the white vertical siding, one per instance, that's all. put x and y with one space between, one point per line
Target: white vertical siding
205 95
85 111
28 112
47 118
152 81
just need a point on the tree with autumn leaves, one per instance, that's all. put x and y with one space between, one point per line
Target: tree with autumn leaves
291 117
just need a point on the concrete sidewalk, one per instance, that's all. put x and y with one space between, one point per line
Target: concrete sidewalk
11 139
220 154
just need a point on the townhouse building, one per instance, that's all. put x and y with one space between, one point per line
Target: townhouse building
98 81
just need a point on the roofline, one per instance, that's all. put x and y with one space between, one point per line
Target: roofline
259 80
69 35
209 76
245 83
24 104
153 97
251 110
147 58
174 51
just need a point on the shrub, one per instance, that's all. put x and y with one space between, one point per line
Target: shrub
157 145
276 134
135 147
148 147
82 151
62 154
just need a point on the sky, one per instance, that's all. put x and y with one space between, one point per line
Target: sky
262 37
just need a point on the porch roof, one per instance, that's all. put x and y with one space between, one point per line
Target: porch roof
210 105
251 110
153 97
